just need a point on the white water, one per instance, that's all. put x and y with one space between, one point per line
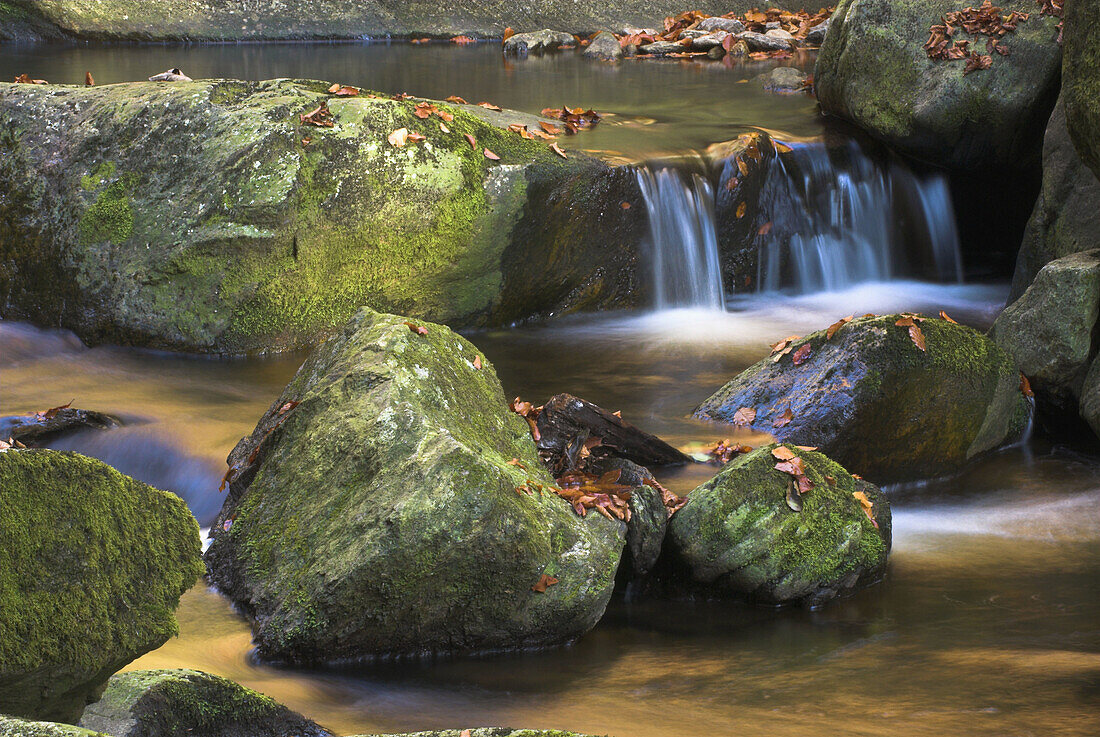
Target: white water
683 239
840 218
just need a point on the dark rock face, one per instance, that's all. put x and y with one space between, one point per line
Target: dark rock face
377 511
37 431
160 703
1081 78
874 72
878 404
739 536
92 566
1066 217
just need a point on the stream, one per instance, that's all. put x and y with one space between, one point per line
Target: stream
987 622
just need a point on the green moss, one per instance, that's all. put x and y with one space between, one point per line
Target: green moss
103 174
12 727
111 217
91 569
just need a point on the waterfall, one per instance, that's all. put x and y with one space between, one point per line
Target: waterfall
683 239
836 217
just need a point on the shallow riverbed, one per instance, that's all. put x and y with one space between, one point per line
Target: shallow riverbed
986 625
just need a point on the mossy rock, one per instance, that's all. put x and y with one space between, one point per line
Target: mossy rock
738 536
92 565
14 727
232 20
878 404
1066 216
486 732
1081 78
205 217
189 703
380 516
1049 330
873 71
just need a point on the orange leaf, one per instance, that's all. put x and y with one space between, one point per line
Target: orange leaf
784 419
783 453
556 149
477 362
741 210
333 88
866 504
945 316
457 100
508 33
544 583
836 326
472 140
550 128
1025 386
490 106
418 329
765 228
347 92
792 467
917 337
89 80
490 155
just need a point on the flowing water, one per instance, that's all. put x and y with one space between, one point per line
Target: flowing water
986 624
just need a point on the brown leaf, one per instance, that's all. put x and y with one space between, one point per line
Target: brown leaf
472 141
830 480
802 354
917 336
550 128
415 137
477 362
805 484
490 155
741 210
624 205
1025 386
53 412
806 447
556 149
765 228
418 329
945 316
744 416
792 467
837 326
783 453
89 80
465 733
784 419
443 127
544 582
490 106
347 92
867 505
457 100
508 33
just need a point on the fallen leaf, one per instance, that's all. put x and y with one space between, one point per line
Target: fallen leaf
837 326
53 412
490 155
490 106
793 467
784 419
347 92
1025 386
443 127
830 480
782 147
744 416
550 128
624 205
806 447
418 329
945 316
765 228
399 137
508 33
783 453
802 354
472 140
463 40
89 80
457 100
477 362
805 484
867 505
415 137
741 210
556 149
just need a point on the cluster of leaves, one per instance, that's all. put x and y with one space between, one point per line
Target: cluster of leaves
982 21
1056 9
724 451
574 119
319 117
25 79
798 482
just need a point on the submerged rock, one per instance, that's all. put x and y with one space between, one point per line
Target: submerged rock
604 46
873 70
92 565
253 231
537 42
661 48
165 703
878 404
783 79
738 535
377 510
1066 217
41 429
1049 330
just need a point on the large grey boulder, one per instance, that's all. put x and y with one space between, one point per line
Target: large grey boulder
537 42
1049 330
604 46
1066 216
715 23
877 403
390 504
873 70
740 533
764 42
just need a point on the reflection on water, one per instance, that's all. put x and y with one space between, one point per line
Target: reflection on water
653 105
986 625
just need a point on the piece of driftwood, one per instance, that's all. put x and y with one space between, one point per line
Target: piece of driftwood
571 429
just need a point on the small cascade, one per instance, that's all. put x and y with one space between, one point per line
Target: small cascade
835 217
683 239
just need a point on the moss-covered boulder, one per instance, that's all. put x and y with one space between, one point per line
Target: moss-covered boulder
486 732
92 565
1066 217
873 70
189 703
738 535
1049 331
230 20
14 727
1081 78
207 217
389 503
870 398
